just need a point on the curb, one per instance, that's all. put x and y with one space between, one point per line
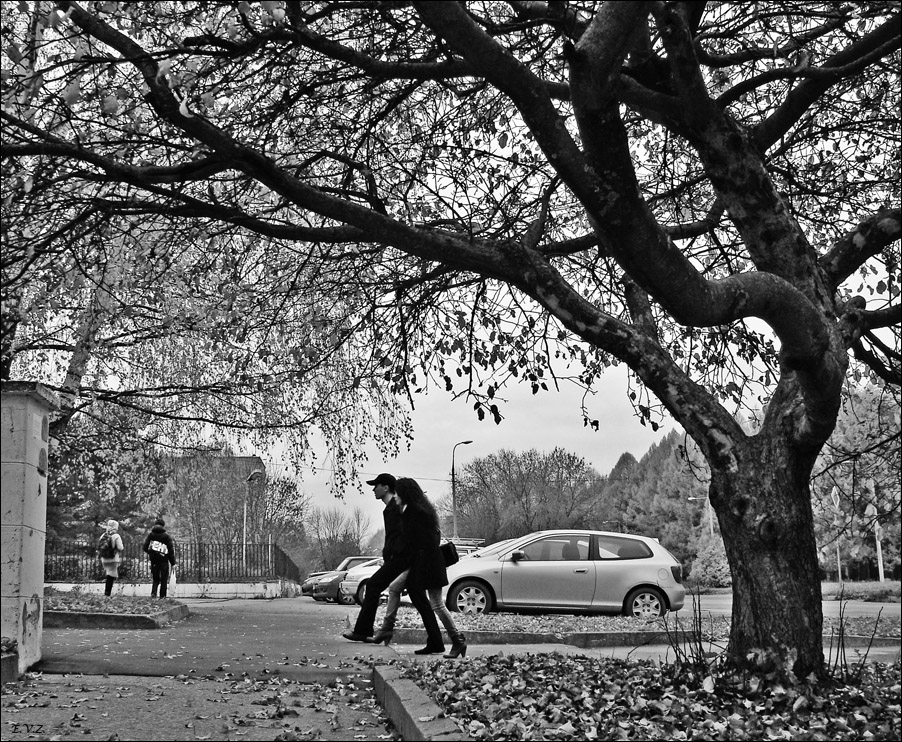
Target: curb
74 620
414 714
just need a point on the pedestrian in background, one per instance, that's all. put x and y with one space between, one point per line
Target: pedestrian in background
427 568
110 550
160 547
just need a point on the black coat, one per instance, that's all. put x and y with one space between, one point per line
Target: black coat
394 538
427 566
159 535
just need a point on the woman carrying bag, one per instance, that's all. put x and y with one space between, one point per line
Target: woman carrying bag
110 550
427 569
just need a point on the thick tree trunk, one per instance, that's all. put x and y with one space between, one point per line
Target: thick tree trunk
764 511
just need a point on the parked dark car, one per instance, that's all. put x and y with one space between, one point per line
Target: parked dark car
325 586
346 564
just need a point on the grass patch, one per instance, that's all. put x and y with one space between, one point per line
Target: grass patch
873 592
79 601
713 628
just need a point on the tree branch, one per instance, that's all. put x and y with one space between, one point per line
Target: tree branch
853 59
869 238
877 318
891 374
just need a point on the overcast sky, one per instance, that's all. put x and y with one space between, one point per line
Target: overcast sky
545 421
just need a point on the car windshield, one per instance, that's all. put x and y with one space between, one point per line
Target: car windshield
490 549
360 568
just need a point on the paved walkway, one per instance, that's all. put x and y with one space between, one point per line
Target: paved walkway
241 669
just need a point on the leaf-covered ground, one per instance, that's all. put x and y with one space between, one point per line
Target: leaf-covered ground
570 697
82 602
118 707
563 697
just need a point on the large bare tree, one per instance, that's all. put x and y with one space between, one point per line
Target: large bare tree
472 193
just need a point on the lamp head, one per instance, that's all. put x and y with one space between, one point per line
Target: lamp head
255 475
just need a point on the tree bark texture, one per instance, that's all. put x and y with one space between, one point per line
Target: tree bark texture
765 517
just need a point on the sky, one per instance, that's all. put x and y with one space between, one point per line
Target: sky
544 421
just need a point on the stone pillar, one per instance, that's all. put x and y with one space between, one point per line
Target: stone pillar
25 422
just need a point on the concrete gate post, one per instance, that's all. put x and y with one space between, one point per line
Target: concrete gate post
25 423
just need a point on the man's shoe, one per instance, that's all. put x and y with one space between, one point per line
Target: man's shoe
354 637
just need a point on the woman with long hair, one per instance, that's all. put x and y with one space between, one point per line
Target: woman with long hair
427 568
110 551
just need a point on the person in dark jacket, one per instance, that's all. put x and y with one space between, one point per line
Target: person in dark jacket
427 574
160 547
393 566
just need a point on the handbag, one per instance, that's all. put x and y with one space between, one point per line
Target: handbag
449 553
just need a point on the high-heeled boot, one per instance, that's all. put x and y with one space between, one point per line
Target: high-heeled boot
458 646
384 634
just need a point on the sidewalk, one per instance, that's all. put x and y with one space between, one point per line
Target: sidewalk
234 669
247 669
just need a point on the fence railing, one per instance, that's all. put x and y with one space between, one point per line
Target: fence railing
77 561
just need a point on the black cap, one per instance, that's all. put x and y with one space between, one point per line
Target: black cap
386 479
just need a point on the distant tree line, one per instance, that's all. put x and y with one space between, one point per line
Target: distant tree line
664 493
508 494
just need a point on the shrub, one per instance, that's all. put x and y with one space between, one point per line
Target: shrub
710 568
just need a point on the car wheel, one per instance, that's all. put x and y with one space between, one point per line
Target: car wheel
345 599
645 602
361 593
470 597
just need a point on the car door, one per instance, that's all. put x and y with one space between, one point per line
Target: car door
554 572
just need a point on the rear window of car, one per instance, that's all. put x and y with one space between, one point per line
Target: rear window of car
557 549
612 547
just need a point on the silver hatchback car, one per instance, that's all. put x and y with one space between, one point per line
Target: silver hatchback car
569 571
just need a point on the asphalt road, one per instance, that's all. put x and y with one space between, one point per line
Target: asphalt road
722 605
295 637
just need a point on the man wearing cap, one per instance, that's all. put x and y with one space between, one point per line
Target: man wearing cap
392 567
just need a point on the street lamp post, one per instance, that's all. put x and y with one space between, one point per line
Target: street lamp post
710 514
453 485
254 476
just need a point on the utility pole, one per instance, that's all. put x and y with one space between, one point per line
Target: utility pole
254 476
454 486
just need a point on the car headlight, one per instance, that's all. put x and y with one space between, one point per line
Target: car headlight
324 580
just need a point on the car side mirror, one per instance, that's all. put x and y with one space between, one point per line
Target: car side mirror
517 555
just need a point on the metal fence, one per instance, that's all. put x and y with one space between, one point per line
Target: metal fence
77 561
